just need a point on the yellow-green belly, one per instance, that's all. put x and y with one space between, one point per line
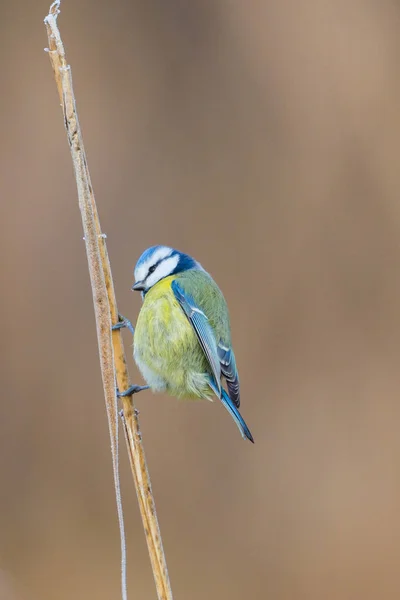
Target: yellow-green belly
166 348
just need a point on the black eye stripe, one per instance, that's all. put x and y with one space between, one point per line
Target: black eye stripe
154 267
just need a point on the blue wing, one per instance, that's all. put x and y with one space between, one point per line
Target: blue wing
220 358
229 371
235 414
204 332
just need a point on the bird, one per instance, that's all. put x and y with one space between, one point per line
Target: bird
182 340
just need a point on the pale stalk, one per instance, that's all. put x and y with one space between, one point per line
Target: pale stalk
111 350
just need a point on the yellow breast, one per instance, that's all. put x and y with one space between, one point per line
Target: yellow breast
166 348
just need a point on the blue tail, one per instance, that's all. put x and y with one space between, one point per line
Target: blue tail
233 411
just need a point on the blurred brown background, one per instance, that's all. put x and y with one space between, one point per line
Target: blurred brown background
263 138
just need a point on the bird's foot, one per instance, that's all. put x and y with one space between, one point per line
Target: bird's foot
133 389
122 323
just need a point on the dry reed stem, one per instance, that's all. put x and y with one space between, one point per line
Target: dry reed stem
111 350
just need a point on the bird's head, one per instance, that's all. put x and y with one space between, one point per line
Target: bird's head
158 262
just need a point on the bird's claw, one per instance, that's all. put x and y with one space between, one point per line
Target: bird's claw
133 389
122 323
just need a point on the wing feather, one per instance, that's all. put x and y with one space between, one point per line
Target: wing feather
229 371
203 330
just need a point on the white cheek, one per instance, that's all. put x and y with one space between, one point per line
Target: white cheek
140 273
164 269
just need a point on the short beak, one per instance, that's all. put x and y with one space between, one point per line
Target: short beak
138 286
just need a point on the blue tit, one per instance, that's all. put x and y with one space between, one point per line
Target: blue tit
182 339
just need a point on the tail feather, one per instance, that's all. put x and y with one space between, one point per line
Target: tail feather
233 411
